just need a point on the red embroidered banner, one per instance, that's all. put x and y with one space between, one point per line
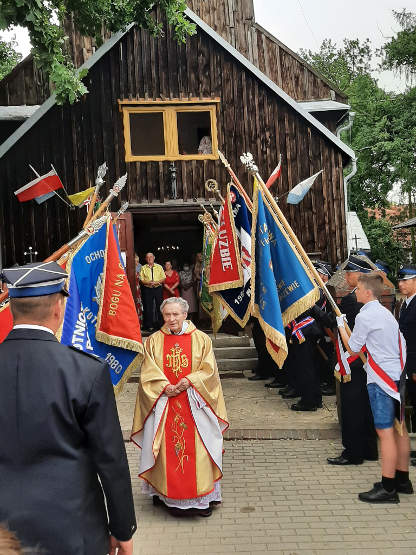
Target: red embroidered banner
226 271
118 323
180 427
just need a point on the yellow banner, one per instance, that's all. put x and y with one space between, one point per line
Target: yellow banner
78 198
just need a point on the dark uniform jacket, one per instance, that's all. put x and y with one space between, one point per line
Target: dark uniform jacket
60 435
407 324
350 307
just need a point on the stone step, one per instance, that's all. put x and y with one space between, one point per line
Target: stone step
234 352
228 364
230 340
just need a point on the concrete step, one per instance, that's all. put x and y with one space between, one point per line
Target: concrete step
233 364
223 340
234 352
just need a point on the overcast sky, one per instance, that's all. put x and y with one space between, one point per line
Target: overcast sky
305 23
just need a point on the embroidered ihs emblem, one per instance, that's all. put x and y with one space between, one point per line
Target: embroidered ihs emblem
176 360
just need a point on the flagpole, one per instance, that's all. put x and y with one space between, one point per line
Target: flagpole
235 178
211 186
102 170
92 228
248 161
54 192
117 187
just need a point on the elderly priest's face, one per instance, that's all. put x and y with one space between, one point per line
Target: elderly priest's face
174 316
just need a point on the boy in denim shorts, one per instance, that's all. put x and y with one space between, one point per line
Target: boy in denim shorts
377 330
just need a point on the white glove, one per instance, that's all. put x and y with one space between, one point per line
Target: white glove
341 321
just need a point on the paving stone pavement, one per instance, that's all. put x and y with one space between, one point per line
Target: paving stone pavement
280 496
255 411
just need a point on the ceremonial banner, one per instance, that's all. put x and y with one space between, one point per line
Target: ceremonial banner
38 187
6 321
100 315
225 259
209 303
237 300
282 288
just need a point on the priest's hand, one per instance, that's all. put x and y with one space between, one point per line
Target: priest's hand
171 390
182 385
120 548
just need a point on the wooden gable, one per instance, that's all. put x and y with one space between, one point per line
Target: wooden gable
250 117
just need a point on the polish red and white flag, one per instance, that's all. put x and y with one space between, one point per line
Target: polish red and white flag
275 173
39 187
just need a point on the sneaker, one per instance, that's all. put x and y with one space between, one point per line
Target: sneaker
379 495
405 487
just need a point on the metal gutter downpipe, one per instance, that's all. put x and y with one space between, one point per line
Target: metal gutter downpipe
348 177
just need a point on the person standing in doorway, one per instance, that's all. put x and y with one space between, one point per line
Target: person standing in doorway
171 284
187 289
152 278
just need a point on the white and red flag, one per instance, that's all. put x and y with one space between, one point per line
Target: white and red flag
38 187
275 173
226 271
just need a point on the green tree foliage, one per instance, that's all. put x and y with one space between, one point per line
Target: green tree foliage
400 51
341 65
43 21
383 136
383 244
8 57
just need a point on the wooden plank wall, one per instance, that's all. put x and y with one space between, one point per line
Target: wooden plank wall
234 20
25 84
77 139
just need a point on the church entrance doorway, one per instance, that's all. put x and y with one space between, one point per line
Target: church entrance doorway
175 236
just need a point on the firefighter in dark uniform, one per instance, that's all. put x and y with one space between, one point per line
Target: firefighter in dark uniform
63 464
407 324
305 332
303 363
325 353
357 426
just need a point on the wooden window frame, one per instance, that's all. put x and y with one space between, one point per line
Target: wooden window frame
170 128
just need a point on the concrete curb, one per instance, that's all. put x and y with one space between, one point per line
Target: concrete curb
313 434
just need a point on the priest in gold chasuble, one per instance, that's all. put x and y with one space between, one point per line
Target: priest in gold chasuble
180 415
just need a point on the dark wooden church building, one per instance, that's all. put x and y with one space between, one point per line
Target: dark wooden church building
160 111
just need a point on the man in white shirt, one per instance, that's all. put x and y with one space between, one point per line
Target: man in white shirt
377 330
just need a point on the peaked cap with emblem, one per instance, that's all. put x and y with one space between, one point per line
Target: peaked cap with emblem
35 279
356 264
323 267
381 265
407 272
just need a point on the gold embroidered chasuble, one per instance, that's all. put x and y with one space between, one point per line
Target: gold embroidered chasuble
181 465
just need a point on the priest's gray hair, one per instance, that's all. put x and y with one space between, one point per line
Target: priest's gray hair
178 300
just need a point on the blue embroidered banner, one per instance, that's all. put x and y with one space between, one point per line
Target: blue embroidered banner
282 288
87 269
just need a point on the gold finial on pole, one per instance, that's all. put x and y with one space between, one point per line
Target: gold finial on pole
212 187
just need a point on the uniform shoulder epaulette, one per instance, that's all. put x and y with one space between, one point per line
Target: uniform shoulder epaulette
91 355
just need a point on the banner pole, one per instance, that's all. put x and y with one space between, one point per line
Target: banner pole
253 169
235 179
102 170
92 228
